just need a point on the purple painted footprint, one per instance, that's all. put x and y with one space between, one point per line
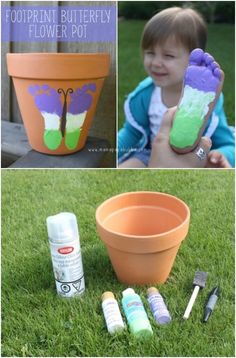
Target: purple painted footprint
47 100
203 73
203 82
80 102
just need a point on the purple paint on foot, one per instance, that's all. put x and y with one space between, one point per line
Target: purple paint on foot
81 100
202 73
217 73
46 99
213 65
208 58
196 56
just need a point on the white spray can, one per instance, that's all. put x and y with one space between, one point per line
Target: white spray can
66 254
112 313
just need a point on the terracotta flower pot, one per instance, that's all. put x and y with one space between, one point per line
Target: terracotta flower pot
57 95
142 232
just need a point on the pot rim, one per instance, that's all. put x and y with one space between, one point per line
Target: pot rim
53 65
57 53
142 237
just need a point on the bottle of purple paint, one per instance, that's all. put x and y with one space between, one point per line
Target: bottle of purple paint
158 307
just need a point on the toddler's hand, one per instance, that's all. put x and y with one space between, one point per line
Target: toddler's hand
217 160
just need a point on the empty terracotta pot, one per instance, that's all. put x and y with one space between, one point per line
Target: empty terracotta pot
57 94
142 232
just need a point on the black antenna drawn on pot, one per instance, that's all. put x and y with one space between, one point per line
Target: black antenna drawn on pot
64 110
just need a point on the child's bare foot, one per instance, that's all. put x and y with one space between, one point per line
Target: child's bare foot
203 82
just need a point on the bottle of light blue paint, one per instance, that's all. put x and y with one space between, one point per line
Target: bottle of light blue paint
135 313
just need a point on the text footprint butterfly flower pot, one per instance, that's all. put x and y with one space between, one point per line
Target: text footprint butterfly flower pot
57 95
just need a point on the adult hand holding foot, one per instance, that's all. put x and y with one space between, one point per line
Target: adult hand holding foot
217 160
162 156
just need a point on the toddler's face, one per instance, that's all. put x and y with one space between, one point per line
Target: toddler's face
166 64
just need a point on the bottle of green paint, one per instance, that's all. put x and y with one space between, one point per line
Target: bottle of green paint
136 314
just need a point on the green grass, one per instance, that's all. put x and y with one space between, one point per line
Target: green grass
36 322
220 45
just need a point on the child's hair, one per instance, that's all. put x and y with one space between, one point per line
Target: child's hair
184 24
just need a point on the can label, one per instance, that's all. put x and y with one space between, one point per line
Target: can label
66 250
68 268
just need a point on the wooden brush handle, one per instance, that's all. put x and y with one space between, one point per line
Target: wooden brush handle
191 302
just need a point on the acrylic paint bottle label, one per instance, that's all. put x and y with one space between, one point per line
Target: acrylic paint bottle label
112 315
135 310
159 309
136 314
68 268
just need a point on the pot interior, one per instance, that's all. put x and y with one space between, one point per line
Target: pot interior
142 220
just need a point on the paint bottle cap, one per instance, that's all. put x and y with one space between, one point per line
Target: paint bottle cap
128 291
106 295
62 226
152 290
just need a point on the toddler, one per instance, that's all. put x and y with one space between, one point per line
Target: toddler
167 40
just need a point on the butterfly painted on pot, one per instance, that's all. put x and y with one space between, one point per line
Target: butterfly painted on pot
63 111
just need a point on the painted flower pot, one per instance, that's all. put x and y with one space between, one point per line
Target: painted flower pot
57 95
142 232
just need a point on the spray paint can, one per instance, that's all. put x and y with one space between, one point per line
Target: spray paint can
112 313
158 307
66 254
136 315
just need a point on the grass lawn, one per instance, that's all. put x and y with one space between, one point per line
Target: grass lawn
36 322
220 45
